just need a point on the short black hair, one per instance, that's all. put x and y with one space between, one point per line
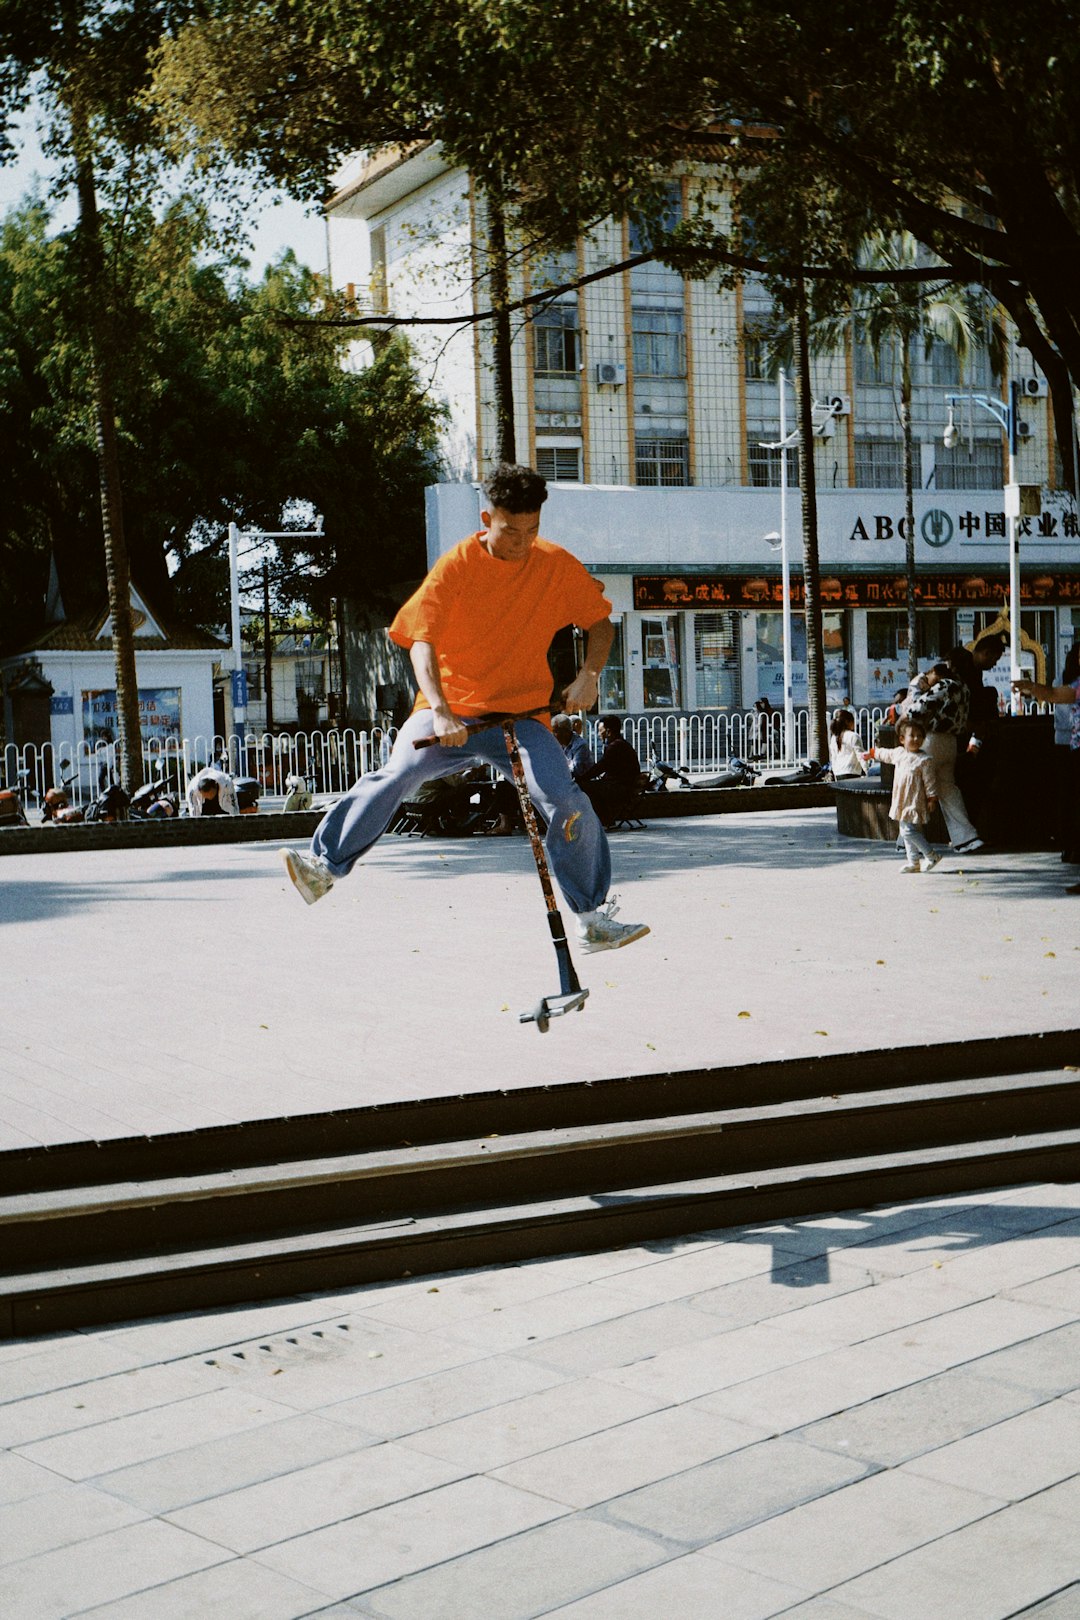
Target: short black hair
516 489
612 720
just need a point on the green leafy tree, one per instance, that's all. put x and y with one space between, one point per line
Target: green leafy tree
90 61
230 405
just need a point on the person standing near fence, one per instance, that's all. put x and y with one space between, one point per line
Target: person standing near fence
477 632
939 701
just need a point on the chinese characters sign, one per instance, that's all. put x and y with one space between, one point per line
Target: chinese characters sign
848 590
159 715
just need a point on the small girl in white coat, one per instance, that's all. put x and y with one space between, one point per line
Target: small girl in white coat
914 796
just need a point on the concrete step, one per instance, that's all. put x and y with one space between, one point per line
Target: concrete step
76 1224
305 1261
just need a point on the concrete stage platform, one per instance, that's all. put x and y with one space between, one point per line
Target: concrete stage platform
150 991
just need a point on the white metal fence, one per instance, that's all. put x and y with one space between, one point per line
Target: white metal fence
332 760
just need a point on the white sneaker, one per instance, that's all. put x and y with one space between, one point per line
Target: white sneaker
911 866
308 873
970 848
929 862
598 931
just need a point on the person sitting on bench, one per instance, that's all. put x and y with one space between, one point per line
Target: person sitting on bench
614 782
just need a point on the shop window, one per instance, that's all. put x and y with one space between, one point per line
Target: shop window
661 462
879 463
613 675
559 464
770 658
660 662
716 660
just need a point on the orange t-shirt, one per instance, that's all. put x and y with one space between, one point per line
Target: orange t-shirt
491 623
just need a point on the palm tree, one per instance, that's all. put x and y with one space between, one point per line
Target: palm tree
892 318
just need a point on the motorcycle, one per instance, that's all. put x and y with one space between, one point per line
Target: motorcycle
248 789
298 794
12 813
665 778
807 774
156 800
110 805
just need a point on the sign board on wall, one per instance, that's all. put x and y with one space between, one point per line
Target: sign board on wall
159 715
986 589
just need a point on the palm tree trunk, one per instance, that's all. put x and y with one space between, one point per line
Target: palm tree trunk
506 443
117 573
909 507
815 639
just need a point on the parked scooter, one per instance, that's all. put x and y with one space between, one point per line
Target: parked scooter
248 789
298 794
158 800
806 775
665 778
110 805
12 813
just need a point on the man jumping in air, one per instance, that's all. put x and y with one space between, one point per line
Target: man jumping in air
477 632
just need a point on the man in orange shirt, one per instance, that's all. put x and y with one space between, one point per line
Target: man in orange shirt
477 631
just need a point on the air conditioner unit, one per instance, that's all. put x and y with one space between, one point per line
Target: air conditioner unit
838 404
610 374
1024 430
1034 387
824 424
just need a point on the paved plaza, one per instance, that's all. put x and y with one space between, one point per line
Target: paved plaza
148 991
871 1414
874 1413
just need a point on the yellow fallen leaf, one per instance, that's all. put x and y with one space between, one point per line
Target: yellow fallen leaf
1049 953
742 1015
821 1032
650 1046
880 962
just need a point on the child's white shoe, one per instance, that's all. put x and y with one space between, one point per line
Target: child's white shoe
911 866
929 862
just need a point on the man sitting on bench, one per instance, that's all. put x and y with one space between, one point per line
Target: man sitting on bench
614 782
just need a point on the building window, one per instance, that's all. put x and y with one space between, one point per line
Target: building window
944 365
641 236
759 364
659 341
254 673
881 367
559 463
660 662
555 341
664 462
763 466
977 465
879 463
716 660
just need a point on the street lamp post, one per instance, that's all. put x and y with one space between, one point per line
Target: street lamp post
785 572
1006 413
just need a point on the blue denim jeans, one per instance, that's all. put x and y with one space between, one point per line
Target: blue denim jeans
576 844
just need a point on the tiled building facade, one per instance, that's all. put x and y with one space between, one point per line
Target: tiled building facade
647 401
